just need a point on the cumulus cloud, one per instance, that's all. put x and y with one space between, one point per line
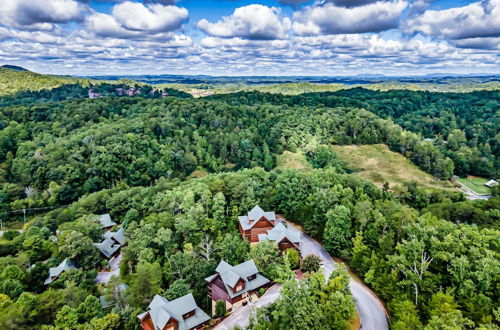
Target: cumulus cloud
477 43
479 19
328 18
40 14
154 18
135 20
249 22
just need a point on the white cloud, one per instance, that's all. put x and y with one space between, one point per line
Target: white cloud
249 22
330 19
40 14
215 42
479 19
152 18
134 20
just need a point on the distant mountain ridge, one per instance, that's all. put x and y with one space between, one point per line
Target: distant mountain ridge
14 67
362 79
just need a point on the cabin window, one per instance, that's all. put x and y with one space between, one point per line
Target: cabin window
252 277
239 287
188 315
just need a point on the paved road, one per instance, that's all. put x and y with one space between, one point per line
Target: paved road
114 264
370 309
470 194
241 316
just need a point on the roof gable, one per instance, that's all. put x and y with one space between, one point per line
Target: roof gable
162 310
65 265
248 221
105 220
279 232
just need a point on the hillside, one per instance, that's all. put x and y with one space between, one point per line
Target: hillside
14 80
378 164
176 172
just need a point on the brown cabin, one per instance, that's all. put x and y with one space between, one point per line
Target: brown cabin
234 284
283 236
179 314
256 222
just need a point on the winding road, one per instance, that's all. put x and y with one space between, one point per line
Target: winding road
371 311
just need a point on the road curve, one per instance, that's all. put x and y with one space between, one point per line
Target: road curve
371 311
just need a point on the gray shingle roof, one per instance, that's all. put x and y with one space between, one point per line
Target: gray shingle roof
65 265
279 232
105 220
255 214
161 310
231 274
108 247
118 236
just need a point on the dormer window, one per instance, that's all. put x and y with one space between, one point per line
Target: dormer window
252 277
189 314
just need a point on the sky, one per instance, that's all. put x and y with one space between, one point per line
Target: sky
251 37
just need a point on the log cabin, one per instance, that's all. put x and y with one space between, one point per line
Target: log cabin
234 284
283 236
256 222
179 314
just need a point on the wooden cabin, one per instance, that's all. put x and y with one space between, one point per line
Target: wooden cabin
179 314
256 222
234 284
283 236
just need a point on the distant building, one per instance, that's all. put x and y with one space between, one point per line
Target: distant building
164 94
491 183
180 314
284 237
119 91
130 91
105 221
256 222
93 95
234 284
55 272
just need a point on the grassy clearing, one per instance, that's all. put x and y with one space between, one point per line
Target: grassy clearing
476 184
292 160
355 322
200 173
378 164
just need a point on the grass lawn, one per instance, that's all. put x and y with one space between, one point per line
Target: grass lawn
292 160
198 174
476 184
378 164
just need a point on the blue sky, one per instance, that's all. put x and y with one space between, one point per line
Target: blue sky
245 37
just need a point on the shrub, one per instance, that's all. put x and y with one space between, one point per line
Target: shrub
311 263
10 234
293 258
220 308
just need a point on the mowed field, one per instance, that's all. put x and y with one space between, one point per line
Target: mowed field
476 184
292 160
379 164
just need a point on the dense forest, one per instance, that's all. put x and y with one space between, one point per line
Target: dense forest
175 172
460 126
